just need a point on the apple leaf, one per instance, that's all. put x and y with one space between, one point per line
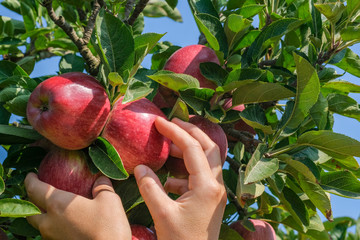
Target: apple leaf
316 195
344 105
2 185
180 111
25 159
213 30
203 6
213 72
270 34
250 10
342 183
259 167
71 63
20 226
196 98
257 92
175 81
248 191
10 207
107 160
158 8
334 144
343 86
320 111
18 105
9 93
15 135
9 69
137 89
349 62
332 10
307 93
294 167
128 191
112 36
247 40
255 117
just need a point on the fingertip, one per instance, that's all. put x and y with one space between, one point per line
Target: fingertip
140 171
101 184
30 177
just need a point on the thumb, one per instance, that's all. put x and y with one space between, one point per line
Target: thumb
102 184
151 189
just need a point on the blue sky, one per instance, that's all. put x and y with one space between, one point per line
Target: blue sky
186 33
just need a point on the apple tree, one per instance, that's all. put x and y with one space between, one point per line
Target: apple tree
284 159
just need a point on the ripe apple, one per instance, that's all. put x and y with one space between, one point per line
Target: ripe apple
186 60
67 170
140 232
240 124
176 166
70 109
131 130
263 230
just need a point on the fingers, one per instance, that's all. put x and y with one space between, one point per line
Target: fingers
194 157
151 189
102 185
37 190
36 220
177 186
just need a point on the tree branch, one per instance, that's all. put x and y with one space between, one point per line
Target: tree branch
91 61
128 8
249 142
138 9
233 199
91 21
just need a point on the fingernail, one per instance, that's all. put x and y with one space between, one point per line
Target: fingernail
102 180
140 171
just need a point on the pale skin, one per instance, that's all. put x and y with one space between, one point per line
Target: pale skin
196 214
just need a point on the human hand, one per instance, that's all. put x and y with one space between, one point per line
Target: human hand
70 216
198 212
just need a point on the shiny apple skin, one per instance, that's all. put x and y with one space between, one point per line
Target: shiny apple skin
263 230
70 110
131 130
67 170
140 232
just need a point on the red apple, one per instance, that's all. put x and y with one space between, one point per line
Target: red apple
240 124
176 166
263 230
70 110
140 232
131 130
186 60
67 170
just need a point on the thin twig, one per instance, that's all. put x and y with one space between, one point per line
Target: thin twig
233 164
233 199
138 9
91 61
128 8
242 136
91 21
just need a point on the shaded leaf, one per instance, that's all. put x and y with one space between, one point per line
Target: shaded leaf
14 135
342 183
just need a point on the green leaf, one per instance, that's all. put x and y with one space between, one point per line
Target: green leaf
197 99
247 40
175 81
294 167
157 8
180 111
27 63
259 167
342 183
248 191
269 35
334 144
344 105
9 69
18 105
353 7
113 35
25 159
20 226
159 59
14 135
107 160
257 92
235 28
172 3
316 195
10 93
319 112
203 6
10 207
350 62
2 185
343 86
307 93
149 39
331 10
136 90
71 63
255 117
251 10
350 33
295 206
213 30
128 192
28 16
213 72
